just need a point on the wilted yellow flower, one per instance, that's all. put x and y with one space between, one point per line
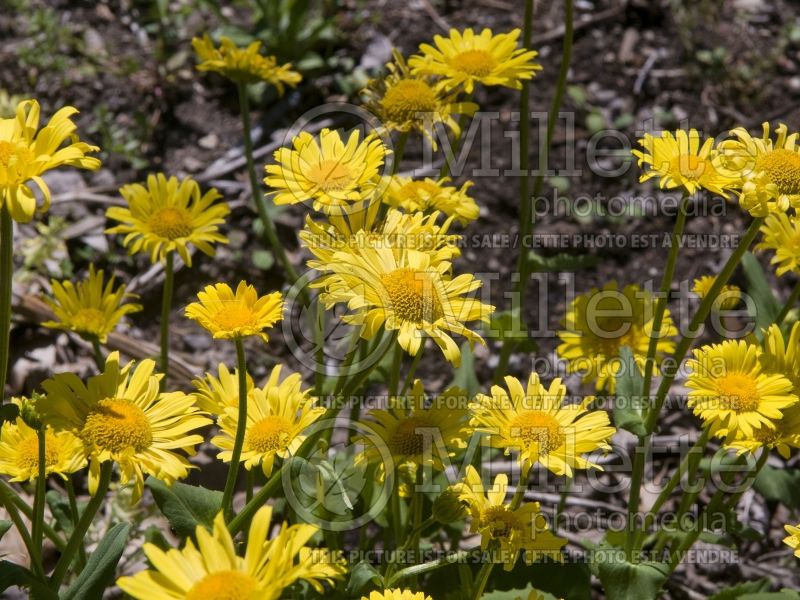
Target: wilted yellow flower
793 539
781 234
727 298
679 161
213 570
215 394
464 59
427 195
536 423
26 154
397 594
599 323
228 316
167 216
330 172
120 415
243 65
91 308
277 416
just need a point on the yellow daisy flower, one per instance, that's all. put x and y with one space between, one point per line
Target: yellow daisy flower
213 570
216 394
167 216
26 154
464 59
536 423
522 530
678 160
243 65
19 451
769 170
91 308
426 195
329 171
405 102
793 539
228 316
781 234
415 430
728 297
277 415
599 323
396 594
405 293
731 391
120 415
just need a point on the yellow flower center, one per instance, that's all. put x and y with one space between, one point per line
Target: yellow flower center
170 223
766 436
330 176
90 320
408 439
689 166
535 428
478 63
738 392
117 424
500 520
270 434
15 154
234 317
224 585
412 295
28 453
408 97
783 168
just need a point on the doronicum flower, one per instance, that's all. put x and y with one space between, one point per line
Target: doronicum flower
216 394
277 416
781 235
464 59
731 391
397 594
228 315
678 160
405 293
599 323
793 539
428 195
537 424
243 65
332 173
521 530
27 152
121 416
167 216
727 298
91 308
213 570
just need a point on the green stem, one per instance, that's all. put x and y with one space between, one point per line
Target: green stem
97 354
506 349
482 579
26 509
166 305
319 343
258 196
6 275
241 427
73 508
38 499
397 515
637 475
790 303
519 493
6 501
426 567
76 539
394 374
411 372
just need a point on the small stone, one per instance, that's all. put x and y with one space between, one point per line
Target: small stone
209 142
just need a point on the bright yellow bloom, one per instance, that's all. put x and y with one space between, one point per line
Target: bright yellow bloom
406 102
731 391
215 394
26 154
781 234
678 160
90 308
212 570
427 195
407 294
120 415
167 216
332 173
536 423
520 530
464 59
277 416
396 594
19 451
243 65
598 324
793 539
228 316
728 297
769 170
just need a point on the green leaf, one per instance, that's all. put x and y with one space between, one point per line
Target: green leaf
62 513
12 574
464 376
781 485
767 305
628 413
784 594
363 579
263 259
507 325
101 567
521 594
623 580
4 527
595 121
569 580
747 587
561 262
185 506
